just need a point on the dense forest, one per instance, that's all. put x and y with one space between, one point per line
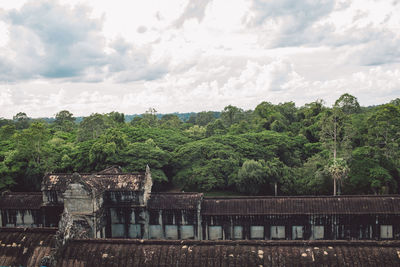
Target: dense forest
274 149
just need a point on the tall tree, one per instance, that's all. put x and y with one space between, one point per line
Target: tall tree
252 177
107 149
335 135
91 127
257 176
64 120
150 117
231 115
269 117
348 104
31 157
384 133
116 117
309 117
338 170
21 120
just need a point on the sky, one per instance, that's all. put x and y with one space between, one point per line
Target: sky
90 56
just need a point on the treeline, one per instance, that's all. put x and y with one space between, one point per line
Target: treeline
283 149
183 116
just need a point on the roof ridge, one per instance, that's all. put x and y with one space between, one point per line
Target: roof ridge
22 193
176 193
29 229
243 242
304 197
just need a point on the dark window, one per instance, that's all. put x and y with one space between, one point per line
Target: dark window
154 217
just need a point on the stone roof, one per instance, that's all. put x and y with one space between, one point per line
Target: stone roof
176 201
117 252
111 170
25 246
389 204
31 246
101 181
21 200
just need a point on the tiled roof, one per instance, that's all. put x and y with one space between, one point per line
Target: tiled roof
25 247
301 205
115 252
28 247
21 200
100 181
111 170
188 201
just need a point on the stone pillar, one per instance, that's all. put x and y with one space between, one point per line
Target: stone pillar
146 224
199 223
80 206
148 183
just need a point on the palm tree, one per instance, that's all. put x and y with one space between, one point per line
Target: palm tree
338 169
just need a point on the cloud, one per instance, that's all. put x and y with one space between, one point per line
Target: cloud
369 29
193 10
51 40
377 51
195 55
292 15
289 22
247 83
242 83
128 64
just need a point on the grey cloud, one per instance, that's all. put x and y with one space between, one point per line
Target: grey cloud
367 46
129 64
194 9
50 40
54 41
301 23
293 16
142 29
378 53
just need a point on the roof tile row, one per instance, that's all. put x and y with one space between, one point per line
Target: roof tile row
28 247
302 205
21 200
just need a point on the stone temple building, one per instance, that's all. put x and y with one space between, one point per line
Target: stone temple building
112 204
118 218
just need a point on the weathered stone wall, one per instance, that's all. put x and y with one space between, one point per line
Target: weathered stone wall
77 200
148 184
81 206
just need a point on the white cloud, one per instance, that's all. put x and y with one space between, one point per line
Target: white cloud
184 55
50 40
